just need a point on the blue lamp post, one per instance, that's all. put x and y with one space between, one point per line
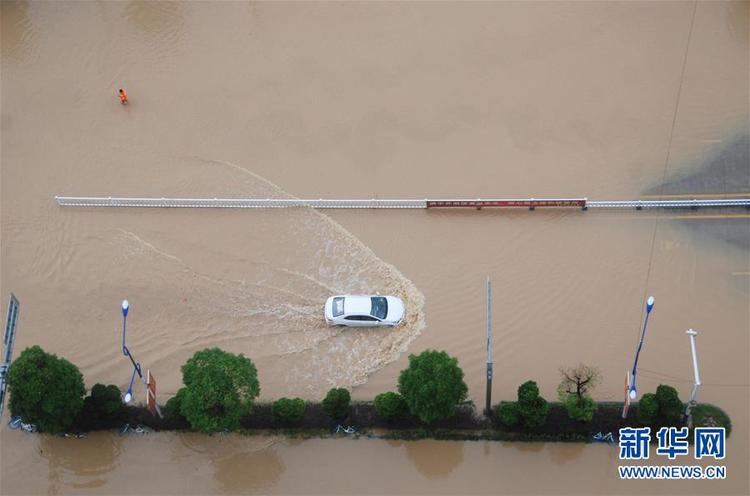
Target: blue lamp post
633 390
125 308
129 394
125 351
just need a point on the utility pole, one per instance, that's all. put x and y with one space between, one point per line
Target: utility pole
696 379
488 406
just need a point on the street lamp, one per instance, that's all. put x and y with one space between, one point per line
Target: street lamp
125 351
129 394
125 308
696 378
633 390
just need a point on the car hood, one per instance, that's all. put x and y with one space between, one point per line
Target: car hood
395 309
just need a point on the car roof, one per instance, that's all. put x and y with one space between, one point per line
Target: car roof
357 305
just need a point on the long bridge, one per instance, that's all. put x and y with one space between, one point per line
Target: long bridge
378 203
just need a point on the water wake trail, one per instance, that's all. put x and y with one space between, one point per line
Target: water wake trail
272 311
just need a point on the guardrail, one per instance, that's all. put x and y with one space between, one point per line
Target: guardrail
692 203
82 201
376 203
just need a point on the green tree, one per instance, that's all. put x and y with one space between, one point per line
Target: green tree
336 404
432 385
390 405
532 408
219 390
648 409
575 385
45 390
288 411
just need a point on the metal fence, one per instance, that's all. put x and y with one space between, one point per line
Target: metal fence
374 203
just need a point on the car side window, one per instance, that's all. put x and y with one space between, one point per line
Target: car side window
361 317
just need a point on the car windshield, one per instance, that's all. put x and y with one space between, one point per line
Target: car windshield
379 307
338 306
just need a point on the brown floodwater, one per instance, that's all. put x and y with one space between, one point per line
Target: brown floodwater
390 100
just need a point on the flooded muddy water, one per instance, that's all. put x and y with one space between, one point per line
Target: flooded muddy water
395 100
173 463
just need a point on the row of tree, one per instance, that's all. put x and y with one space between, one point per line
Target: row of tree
663 408
574 392
48 391
220 389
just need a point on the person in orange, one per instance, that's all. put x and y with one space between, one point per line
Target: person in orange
123 96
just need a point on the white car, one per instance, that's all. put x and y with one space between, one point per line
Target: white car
364 311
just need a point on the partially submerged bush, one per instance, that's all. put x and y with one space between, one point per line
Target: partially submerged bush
581 409
102 409
507 414
670 406
648 409
287 411
532 408
661 409
390 405
336 404
529 411
705 415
